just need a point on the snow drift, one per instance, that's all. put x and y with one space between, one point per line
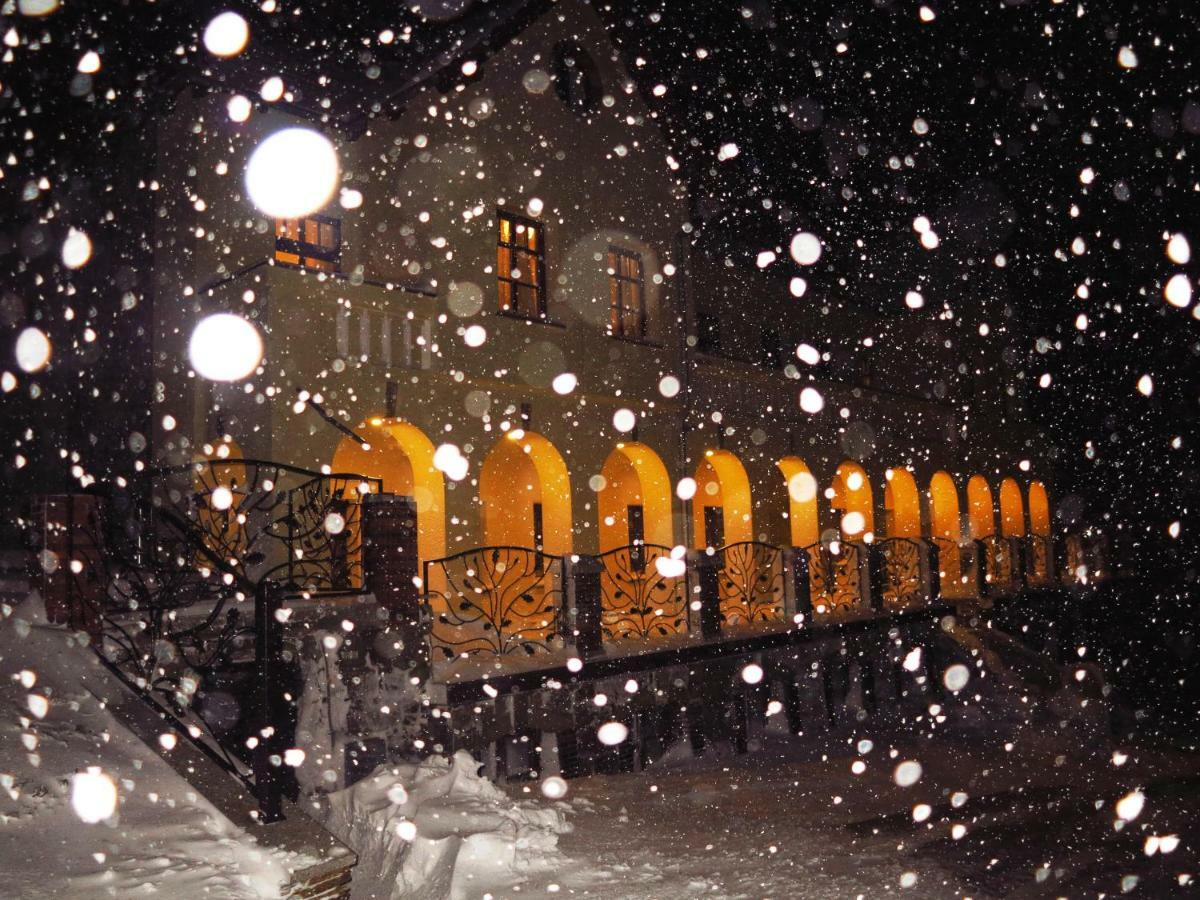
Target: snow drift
437 829
86 809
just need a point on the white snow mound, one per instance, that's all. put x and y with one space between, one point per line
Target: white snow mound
438 829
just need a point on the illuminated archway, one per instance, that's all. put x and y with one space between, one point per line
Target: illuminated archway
401 455
802 501
852 494
1040 552
1039 509
980 512
721 512
525 492
1012 509
902 504
635 502
945 529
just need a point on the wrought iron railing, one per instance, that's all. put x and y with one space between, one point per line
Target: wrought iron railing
1039 559
493 601
956 568
187 568
904 584
637 599
835 577
1001 571
325 536
751 583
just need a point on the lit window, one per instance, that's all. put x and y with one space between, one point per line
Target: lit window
626 294
314 242
520 267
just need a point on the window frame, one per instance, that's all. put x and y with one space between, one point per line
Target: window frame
616 312
577 78
306 250
539 285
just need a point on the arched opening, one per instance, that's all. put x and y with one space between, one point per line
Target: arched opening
525 492
721 509
1039 509
902 519
980 514
635 502
1012 509
802 501
902 504
1039 526
945 529
852 502
401 455
945 521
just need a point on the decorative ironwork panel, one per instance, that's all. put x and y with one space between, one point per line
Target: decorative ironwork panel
493 601
184 555
325 533
751 583
637 600
1076 561
969 561
902 567
956 565
835 578
999 564
1038 558
177 577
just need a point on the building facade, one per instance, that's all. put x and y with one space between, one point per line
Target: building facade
502 313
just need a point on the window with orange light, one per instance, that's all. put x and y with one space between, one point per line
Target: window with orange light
314 242
626 294
520 267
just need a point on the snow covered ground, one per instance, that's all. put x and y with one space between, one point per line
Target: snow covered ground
1032 808
154 835
798 821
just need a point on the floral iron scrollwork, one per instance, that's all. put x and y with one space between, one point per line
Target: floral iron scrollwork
493 601
637 600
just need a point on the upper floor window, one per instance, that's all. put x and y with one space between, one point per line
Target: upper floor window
314 241
521 266
626 294
576 78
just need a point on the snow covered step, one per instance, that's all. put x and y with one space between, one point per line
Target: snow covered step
323 865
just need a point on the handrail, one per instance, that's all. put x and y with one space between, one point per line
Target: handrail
199 464
483 547
722 549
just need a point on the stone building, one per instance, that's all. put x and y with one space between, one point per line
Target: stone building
509 267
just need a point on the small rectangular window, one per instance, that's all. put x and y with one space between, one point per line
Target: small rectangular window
626 294
521 267
314 242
